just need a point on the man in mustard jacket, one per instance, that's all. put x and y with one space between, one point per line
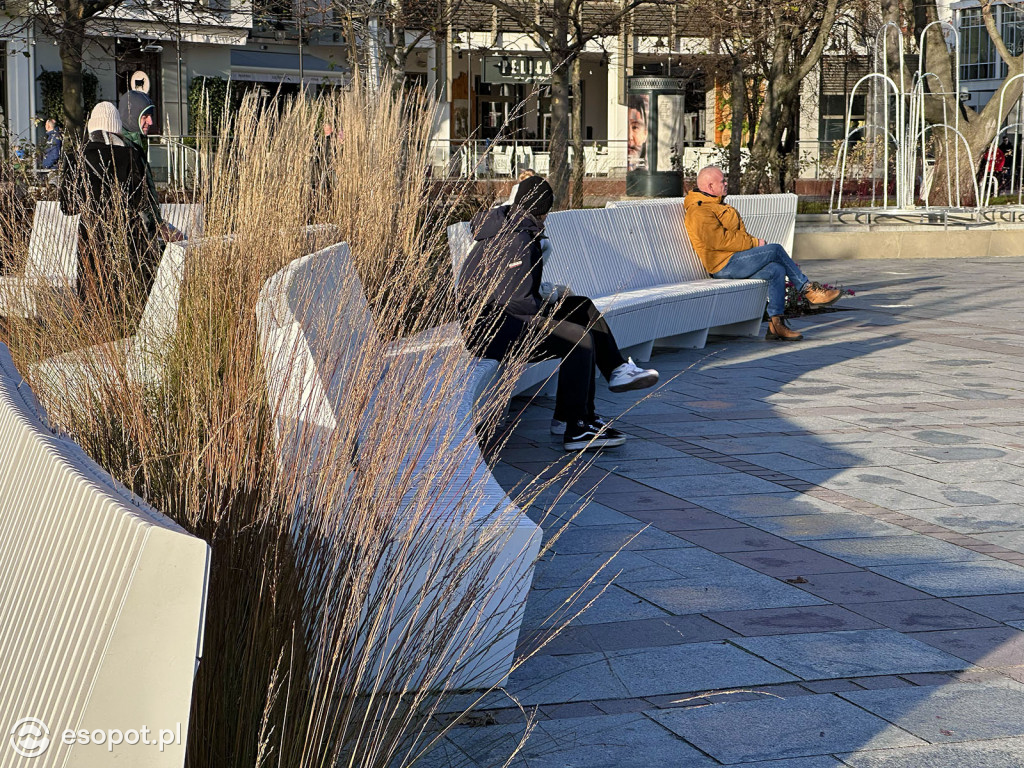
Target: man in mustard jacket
728 250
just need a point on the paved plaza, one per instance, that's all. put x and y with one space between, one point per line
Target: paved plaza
824 547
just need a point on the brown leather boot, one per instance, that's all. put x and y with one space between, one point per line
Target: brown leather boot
821 297
779 331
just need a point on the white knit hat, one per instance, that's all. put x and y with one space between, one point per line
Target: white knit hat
104 117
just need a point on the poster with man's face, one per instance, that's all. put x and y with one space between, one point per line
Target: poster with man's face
636 147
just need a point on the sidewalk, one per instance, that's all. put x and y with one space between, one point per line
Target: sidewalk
835 527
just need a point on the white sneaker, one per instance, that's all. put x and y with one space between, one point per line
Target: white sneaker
629 376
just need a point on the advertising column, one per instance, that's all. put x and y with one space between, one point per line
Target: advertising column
656 133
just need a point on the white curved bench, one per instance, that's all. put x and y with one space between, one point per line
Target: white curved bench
637 264
51 271
772 217
52 265
102 598
316 333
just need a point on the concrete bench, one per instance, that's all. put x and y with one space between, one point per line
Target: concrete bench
102 599
638 266
772 217
138 358
187 218
51 272
316 332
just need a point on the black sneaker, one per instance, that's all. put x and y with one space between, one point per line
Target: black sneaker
582 436
558 427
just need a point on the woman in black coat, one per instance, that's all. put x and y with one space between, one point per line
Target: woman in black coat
501 307
118 248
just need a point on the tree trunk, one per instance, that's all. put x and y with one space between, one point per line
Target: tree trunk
72 44
559 137
739 111
764 154
579 165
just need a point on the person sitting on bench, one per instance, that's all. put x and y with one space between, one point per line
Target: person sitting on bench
501 306
727 250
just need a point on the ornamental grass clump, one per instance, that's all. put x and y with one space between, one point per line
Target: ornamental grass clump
310 431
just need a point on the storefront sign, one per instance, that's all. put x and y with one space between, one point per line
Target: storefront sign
516 69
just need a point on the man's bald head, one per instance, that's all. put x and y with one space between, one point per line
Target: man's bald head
709 180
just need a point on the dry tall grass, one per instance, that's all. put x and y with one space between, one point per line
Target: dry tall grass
316 652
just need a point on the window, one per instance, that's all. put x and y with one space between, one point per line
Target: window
978 58
839 75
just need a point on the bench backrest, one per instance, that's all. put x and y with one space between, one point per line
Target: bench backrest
102 598
772 217
310 348
53 246
185 217
604 251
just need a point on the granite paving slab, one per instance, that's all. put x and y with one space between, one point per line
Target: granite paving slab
893 550
694 487
678 466
693 667
797 762
957 712
922 615
559 570
998 607
975 519
791 562
1009 539
640 633
610 741
711 582
820 655
777 729
857 587
769 505
609 538
549 607
781 621
984 577
742 539
828 525
1000 753
985 647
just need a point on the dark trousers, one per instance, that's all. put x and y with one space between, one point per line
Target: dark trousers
574 331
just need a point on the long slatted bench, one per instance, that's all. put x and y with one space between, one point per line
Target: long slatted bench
102 598
316 330
635 260
772 217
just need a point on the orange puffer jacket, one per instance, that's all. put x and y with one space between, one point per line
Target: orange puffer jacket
715 229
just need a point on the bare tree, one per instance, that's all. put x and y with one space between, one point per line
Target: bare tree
70 23
771 46
977 127
563 29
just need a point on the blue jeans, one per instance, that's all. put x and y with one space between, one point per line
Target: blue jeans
766 262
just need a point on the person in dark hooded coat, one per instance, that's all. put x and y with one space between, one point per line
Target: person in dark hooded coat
106 183
138 115
501 307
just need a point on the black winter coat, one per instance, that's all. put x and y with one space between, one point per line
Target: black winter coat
106 184
503 270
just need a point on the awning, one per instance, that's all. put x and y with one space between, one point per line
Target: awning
274 67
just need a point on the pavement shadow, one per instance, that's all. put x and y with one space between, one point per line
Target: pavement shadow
811 549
